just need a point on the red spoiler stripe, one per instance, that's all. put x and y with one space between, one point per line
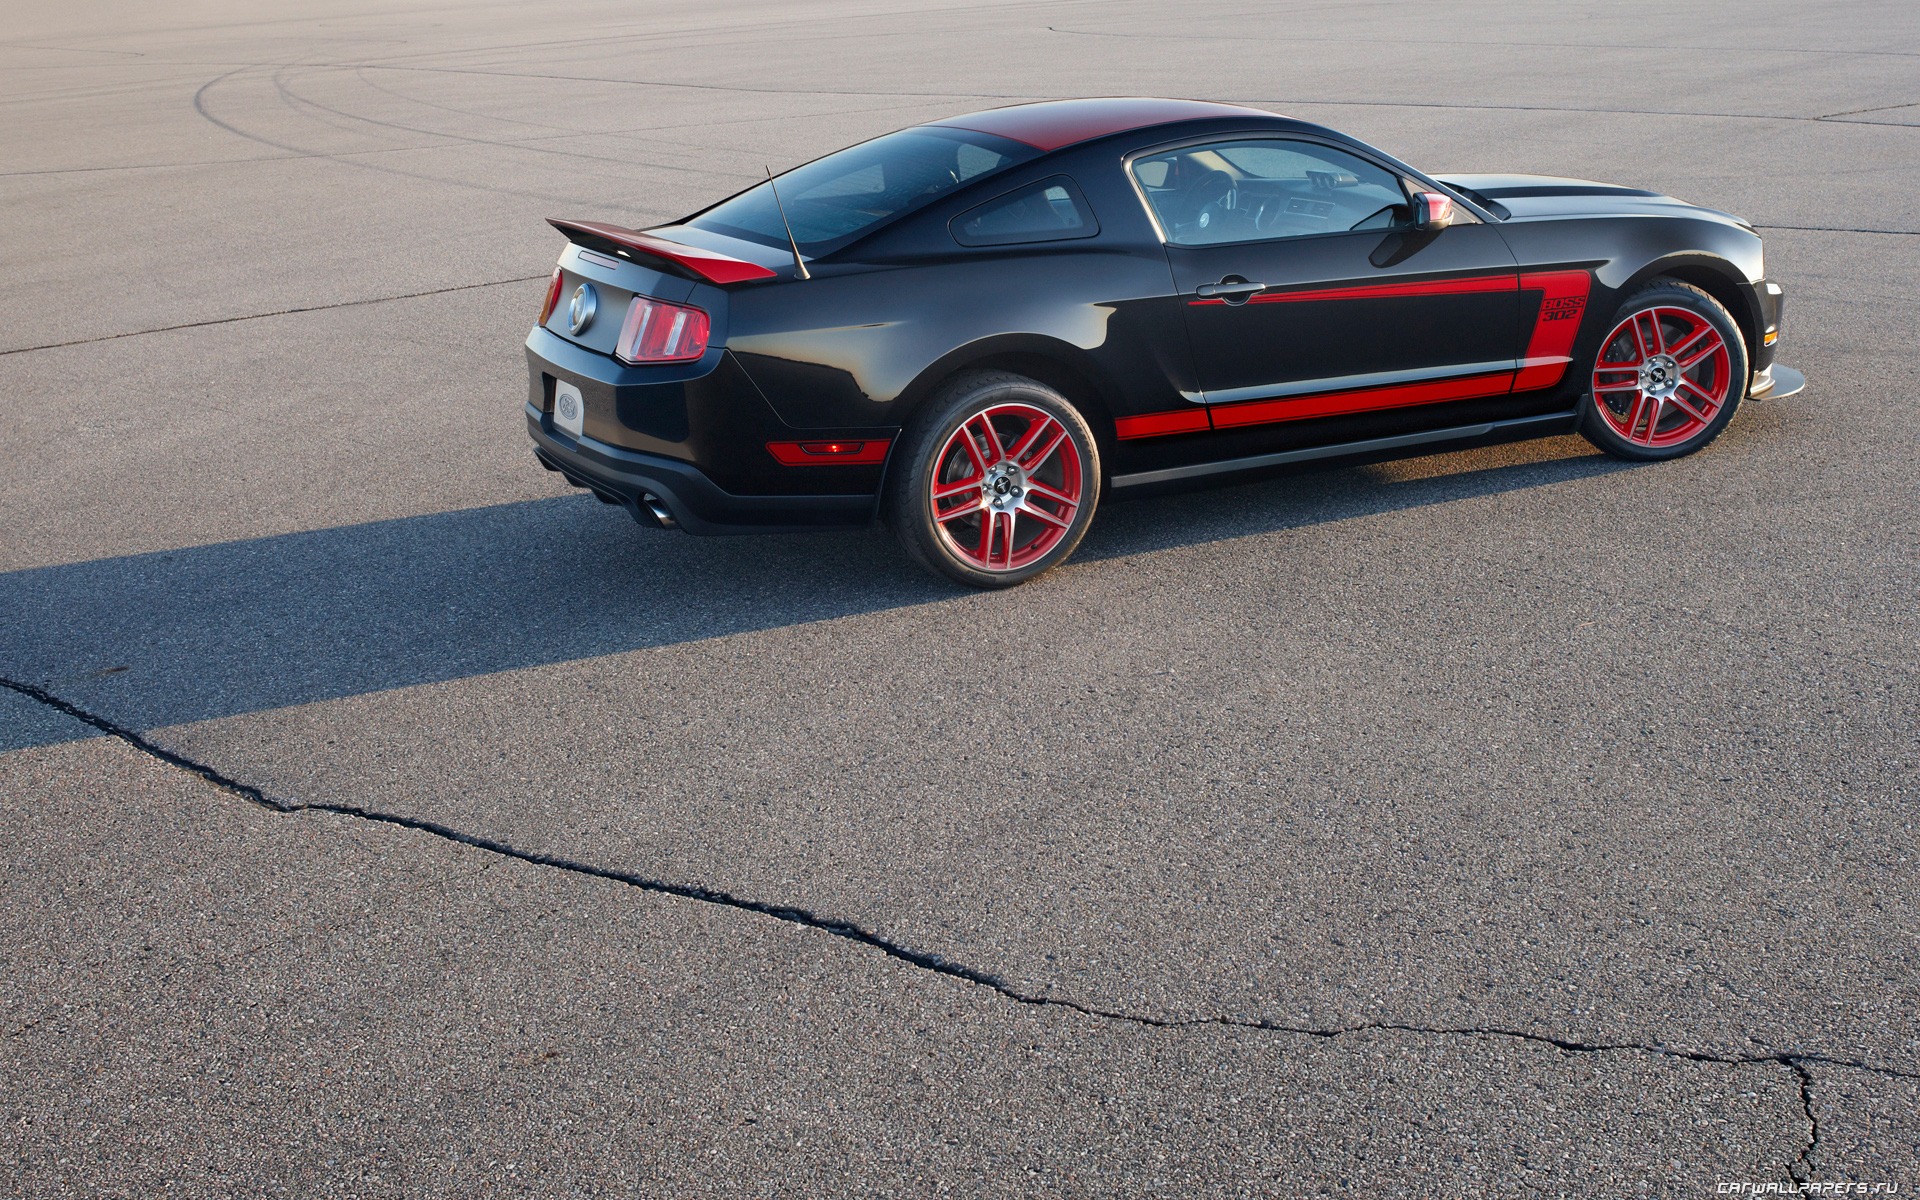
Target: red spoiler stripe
709 265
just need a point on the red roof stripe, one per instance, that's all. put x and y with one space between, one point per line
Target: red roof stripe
1051 124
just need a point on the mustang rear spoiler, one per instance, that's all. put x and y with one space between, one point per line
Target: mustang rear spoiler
709 265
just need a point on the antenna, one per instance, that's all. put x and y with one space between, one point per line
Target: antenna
799 267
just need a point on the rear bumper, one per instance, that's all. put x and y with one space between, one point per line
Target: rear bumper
643 482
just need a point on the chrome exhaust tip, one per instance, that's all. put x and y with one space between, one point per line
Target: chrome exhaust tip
659 510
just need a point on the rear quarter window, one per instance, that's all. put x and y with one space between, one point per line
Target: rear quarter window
1052 210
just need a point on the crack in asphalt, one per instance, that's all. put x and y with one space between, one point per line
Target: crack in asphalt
1800 1170
278 312
1798 1063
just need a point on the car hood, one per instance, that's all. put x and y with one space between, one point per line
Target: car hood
1525 196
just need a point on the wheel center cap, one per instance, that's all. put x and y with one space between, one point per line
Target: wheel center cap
1005 484
1660 375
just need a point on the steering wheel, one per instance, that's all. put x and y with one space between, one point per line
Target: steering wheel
1207 192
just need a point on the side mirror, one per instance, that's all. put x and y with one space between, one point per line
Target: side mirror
1432 211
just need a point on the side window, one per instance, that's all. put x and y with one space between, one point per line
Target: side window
1052 210
1260 189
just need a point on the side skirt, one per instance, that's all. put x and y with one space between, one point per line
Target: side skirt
1520 427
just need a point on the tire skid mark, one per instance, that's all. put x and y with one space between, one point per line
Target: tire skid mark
351 157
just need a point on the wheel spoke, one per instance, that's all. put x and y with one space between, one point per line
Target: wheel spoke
974 459
1685 344
1058 522
1656 406
958 511
1690 410
1037 457
984 552
990 436
1052 493
1623 424
1659 343
1640 403
942 491
1006 542
1617 387
1036 431
1708 398
1688 364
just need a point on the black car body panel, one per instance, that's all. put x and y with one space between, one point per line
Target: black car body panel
1356 342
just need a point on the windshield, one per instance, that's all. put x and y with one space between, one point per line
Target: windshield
832 200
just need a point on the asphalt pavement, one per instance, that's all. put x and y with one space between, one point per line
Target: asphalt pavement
382 818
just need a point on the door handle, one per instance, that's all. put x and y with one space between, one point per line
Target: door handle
1229 289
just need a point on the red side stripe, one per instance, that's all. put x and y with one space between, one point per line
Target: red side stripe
1563 301
1183 420
1372 291
1338 404
1379 291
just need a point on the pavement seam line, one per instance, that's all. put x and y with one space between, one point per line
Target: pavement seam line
279 312
1841 229
1797 1063
468 287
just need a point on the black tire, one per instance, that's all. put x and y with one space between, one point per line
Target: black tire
1651 406
961 442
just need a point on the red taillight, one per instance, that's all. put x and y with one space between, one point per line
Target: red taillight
553 297
658 332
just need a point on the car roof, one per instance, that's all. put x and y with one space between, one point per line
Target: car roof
1055 124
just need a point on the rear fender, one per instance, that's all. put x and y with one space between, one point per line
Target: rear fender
1062 366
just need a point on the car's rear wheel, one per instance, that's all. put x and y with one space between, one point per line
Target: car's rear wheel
996 480
1668 377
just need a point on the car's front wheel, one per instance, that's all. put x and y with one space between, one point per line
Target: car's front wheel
1668 376
995 481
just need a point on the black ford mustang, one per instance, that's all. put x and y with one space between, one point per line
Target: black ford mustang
974 328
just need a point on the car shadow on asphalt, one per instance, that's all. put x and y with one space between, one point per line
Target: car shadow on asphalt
213 631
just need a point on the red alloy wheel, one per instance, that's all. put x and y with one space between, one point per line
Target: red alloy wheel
1662 377
1006 463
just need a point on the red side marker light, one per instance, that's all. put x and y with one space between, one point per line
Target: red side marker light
553 296
866 452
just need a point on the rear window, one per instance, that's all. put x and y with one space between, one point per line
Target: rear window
835 199
1052 210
